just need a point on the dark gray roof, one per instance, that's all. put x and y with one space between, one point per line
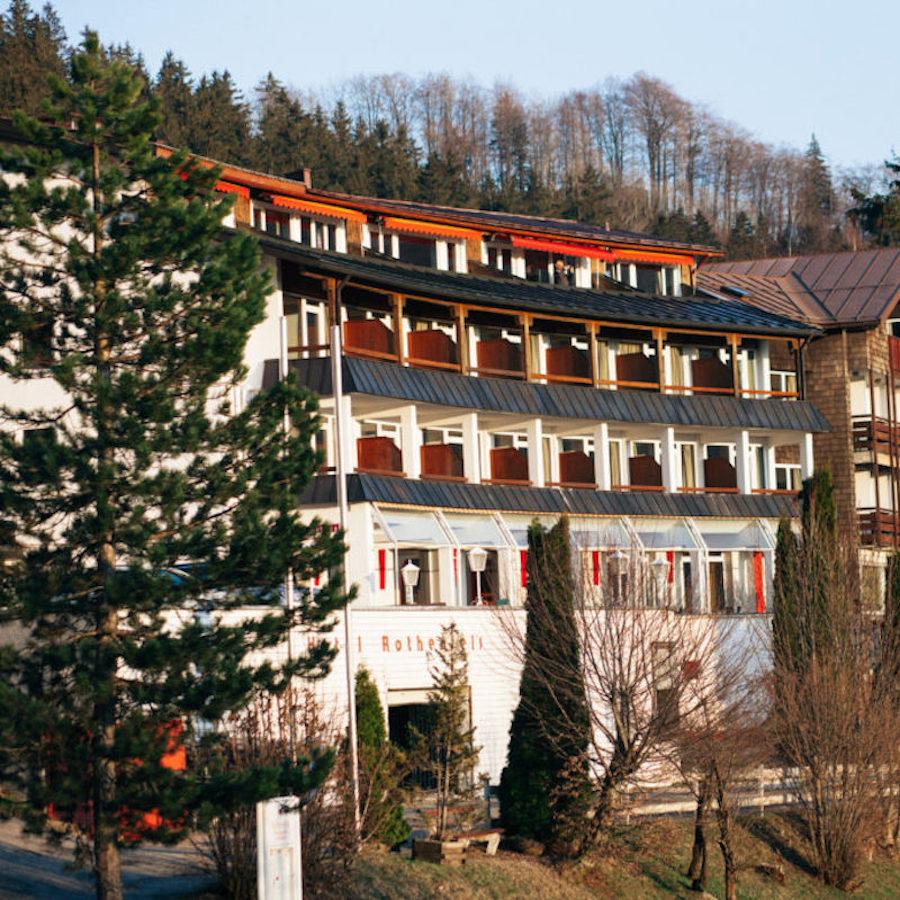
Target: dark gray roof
363 488
386 379
625 306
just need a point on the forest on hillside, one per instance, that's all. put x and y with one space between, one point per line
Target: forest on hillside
630 153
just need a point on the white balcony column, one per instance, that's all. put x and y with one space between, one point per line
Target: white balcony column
485 444
669 460
295 228
769 474
554 473
410 440
742 462
806 456
350 432
601 457
516 262
340 239
535 432
611 368
763 368
471 461
441 256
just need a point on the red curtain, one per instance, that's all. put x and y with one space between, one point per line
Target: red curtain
523 567
382 569
759 581
595 562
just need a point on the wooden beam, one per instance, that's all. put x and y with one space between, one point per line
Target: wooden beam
462 339
526 346
399 345
594 354
660 358
735 342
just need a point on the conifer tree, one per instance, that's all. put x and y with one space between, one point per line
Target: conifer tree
448 751
381 768
879 214
221 126
144 508
173 90
541 787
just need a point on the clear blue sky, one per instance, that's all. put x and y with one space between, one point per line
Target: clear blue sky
781 68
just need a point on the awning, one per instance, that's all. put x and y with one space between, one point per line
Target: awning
648 256
318 209
432 229
562 249
227 188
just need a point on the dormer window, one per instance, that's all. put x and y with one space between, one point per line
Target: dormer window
448 255
272 222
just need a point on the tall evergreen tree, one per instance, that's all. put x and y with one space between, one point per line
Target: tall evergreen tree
220 125
174 93
541 787
144 508
587 198
282 134
32 46
879 214
816 226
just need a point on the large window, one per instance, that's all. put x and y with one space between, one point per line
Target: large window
416 251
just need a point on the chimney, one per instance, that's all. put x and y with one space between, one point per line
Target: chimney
304 175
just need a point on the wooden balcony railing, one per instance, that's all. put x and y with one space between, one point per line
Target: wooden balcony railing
568 363
500 357
432 347
878 528
894 352
637 370
719 476
712 376
378 455
369 337
576 469
509 465
442 461
867 430
644 474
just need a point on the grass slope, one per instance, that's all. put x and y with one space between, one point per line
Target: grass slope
646 860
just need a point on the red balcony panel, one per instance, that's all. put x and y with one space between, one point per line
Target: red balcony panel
894 352
878 528
442 461
644 471
635 367
719 474
379 454
576 467
432 345
368 335
568 362
500 355
509 464
712 373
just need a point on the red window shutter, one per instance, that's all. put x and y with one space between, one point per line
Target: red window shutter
759 581
382 569
523 566
670 559
456 565
595 562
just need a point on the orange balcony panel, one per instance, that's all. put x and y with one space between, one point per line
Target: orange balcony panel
568 362
432 345
442 461
368 336
500 356
637 368
576 467
509 464
380 455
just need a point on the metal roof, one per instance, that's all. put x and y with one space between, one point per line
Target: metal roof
625 306
853 287
364 488
379 378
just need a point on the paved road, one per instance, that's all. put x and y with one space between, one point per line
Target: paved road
30 867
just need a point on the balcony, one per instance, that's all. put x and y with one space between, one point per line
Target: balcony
719 476
710 375
894 352
369 337
644 474
576 469
568 363
509 465
500 357
637 371
874 433
379 456
442 461
878 528
433 348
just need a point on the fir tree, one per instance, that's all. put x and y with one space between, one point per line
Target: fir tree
588 198
143 507
542 785
174 93
816 232
879 214
742 239
381 768
442 180
448 751
282 130
220 126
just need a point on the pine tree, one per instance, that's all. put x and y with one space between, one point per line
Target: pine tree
542 785
144 509
32 46
742 239
588 198
220 125
283 131
879 214
816 231
174 93
442 180
448 751
381 768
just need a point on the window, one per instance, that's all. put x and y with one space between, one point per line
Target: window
37 343
665 684
537 266
416 251
624 273
647 279
272 222
783 382
670 278
787 476
688 453
499 258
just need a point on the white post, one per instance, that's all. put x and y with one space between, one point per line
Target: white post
410 439
554 472
763 368
742 462
769 475
535 431
806 456
602 473
471 467
669 460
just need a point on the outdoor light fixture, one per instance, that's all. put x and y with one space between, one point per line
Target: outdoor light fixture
477 563
410 573
618 556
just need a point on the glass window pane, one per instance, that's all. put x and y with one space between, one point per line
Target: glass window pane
733 535
476 531
664 534
417 529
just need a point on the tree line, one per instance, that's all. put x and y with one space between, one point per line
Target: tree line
631 152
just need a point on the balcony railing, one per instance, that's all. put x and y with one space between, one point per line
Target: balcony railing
500 357
568 363
878 528
442 461
379 455
369 337
509 465
576 469
644 474
711 376
894 352
868 431
719 476
432 347
637 370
